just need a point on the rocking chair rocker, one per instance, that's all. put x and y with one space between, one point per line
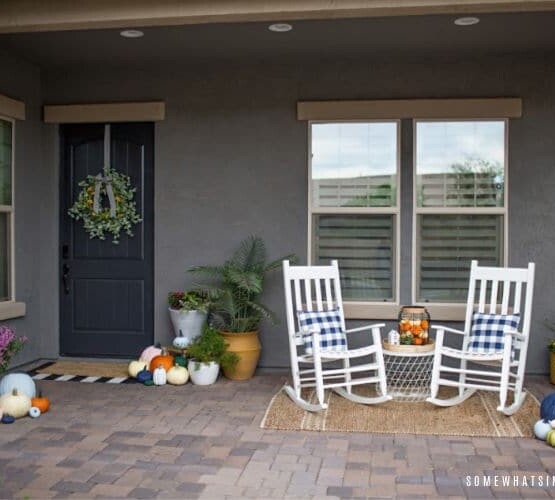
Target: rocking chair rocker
318 338
493 353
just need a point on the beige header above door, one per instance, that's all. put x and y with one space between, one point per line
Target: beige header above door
102 113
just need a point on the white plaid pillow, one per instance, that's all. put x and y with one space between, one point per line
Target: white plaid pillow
486 334
328 323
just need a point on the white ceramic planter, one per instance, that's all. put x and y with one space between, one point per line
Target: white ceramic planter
203 373
187 324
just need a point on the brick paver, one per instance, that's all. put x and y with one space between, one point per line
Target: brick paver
132 441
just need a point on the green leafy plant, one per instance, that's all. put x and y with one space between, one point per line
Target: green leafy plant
235 288
188 301
211 346
98 219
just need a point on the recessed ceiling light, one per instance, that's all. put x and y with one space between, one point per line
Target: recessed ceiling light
280 27
131 33
466 21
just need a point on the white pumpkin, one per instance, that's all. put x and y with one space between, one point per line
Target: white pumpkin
159 376
135 367
15 404
150 352
20 381
177 375
34 412
541 428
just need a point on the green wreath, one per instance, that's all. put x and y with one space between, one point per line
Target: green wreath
99 219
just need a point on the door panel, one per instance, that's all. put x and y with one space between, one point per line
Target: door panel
107 298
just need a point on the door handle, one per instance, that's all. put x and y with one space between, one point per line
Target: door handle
65 278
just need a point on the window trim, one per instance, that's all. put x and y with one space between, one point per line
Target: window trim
10 308
363 309
455 310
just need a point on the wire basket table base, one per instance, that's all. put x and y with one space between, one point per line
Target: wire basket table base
408 372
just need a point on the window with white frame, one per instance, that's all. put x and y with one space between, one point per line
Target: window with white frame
354 205
6 208
460 204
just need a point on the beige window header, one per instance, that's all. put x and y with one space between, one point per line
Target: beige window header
101 113
501 107
12 108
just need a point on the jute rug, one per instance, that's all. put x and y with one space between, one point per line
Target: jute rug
477 416
83 371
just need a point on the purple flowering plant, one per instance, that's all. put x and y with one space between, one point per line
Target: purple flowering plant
10 345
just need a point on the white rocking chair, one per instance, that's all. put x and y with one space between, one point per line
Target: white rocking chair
499 299
318 337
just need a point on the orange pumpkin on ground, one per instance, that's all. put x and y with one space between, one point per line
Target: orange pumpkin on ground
42 403
164 360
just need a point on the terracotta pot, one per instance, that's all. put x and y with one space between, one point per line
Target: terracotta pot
247 346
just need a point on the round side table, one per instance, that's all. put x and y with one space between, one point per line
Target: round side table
408 369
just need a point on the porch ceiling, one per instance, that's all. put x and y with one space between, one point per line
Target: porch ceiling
375 37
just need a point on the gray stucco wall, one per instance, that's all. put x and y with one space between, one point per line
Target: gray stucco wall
231 160
36 230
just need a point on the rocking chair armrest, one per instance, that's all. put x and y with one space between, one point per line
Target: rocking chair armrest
365 327
514 333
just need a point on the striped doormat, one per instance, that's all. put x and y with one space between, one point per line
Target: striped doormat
83 371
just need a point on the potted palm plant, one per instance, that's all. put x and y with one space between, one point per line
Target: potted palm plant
235 289
188 313
206 354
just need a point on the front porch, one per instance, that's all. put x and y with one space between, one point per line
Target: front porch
118 441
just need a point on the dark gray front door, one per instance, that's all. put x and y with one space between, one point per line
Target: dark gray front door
106 290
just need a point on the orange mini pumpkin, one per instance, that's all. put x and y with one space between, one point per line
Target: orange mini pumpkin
42 403
165 360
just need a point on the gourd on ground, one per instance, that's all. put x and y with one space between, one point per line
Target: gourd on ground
149 352
20 381
159 375
164 359
177 375
180 360
34 412
547 407
550 438
136 366
541 428
144 375
40 402
15 404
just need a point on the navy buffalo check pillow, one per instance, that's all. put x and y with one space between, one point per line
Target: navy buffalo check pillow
486 334
328 323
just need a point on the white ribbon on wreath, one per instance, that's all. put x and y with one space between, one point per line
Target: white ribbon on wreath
107 181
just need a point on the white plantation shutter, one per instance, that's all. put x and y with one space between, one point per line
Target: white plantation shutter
367 191
447 244
459 203
354 205
472 189
364 247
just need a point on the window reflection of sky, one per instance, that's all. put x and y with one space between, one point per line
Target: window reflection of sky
439 145
350 150
347 150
